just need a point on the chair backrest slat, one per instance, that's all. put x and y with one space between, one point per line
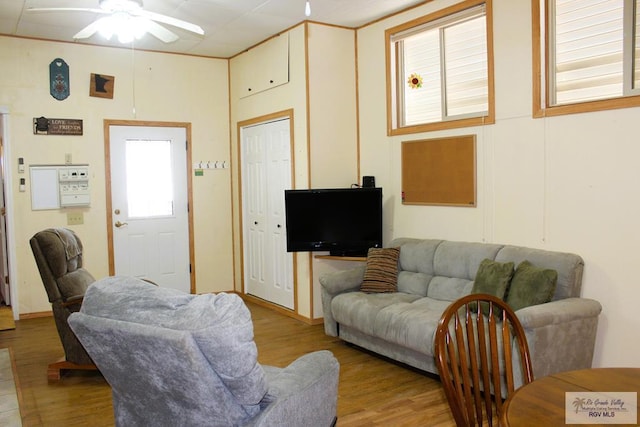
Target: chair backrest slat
476 360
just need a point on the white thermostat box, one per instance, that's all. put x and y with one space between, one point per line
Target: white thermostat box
74 185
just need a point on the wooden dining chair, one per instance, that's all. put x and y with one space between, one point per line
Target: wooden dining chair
482 357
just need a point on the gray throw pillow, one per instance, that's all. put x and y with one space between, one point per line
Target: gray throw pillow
531 286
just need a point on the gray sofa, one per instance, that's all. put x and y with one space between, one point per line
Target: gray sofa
175 359
433 273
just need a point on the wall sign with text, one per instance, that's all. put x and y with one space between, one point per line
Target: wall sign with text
45 126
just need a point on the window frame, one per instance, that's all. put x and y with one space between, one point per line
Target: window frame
391 80
541 39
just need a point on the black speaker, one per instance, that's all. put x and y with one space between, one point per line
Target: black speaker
368 181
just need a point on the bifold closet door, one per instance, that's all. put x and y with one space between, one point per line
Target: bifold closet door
266 173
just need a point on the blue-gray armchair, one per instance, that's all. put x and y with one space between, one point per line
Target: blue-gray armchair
178 359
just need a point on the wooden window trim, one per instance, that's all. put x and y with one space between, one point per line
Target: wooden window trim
540 110
489 118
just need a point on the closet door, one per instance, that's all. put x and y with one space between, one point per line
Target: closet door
266 173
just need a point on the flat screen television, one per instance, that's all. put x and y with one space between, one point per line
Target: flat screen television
343 221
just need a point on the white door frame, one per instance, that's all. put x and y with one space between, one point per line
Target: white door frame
107 159
286 114
9 198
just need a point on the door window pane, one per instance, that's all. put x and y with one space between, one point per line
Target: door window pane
149 177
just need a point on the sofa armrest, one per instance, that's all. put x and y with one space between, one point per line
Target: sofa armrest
305 393
333 284
338 282
561 334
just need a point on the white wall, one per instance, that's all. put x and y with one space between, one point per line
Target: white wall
565 183
321 93
166 88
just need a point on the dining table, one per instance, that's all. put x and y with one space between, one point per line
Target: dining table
596 396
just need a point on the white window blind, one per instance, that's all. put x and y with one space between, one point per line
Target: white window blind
587 59
450 57
466 65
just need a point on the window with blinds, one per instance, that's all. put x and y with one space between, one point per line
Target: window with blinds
593 54
440 69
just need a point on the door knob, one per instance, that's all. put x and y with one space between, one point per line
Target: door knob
120 224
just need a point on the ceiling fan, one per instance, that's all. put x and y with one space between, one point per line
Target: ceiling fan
128 20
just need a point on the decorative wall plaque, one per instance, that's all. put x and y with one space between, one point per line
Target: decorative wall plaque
44 126
59 79
101 86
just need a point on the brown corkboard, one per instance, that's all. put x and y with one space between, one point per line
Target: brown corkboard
439 171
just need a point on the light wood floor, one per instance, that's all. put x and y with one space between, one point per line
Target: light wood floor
6 318
372 391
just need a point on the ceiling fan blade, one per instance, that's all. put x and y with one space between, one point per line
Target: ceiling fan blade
171 21
65 9
88 31
161 32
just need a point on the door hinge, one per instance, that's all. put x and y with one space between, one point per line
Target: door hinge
190 269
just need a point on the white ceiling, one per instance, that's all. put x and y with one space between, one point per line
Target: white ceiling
230 26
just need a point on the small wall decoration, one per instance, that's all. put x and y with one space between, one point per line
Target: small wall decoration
101 86
415 81
59 79
44 126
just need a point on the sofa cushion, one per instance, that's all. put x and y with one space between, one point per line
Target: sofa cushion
531 286
449 288
359 310
416 255
569 267
410 324
462 259
493 278
414 283
381 274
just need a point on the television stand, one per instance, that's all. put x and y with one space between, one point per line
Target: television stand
342 258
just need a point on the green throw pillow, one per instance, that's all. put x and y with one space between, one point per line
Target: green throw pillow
531 286
381 273
493 278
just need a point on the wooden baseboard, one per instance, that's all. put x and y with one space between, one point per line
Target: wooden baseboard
35 315
279 309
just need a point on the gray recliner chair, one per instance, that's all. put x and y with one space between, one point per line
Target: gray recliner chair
58 255
173 358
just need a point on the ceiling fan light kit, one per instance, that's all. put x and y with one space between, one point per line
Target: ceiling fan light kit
126 27
128 21
121 5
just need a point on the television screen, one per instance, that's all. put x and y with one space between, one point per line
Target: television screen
343 221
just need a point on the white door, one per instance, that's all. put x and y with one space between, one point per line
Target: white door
4 264
266 173
149 204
